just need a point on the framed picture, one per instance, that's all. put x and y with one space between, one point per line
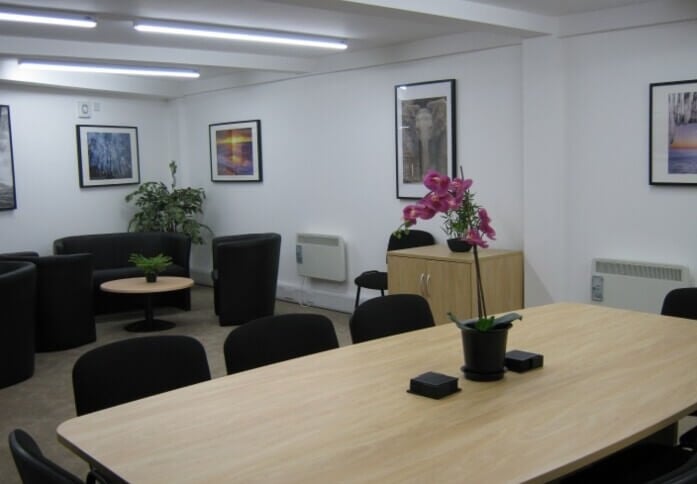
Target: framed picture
673 133
236 151
8 198
107 155
424 131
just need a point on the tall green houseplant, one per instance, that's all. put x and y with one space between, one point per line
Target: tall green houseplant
162 210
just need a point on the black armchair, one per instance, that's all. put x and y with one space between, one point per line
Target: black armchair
64 307
245 274
17 329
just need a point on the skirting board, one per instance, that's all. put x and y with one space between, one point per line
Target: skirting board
312 297
296 294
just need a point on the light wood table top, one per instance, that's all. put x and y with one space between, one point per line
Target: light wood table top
610 378
138 285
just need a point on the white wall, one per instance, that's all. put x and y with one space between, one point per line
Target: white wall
597 179
329 158
554 133
50 202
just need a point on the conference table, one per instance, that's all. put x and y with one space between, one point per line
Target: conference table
610 378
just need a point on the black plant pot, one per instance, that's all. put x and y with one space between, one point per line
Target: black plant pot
151 277
485 352
458 245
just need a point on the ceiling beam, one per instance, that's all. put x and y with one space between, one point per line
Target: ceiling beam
470 11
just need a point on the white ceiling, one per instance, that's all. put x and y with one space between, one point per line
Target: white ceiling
377 31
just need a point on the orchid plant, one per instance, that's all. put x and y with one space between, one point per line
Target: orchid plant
463 219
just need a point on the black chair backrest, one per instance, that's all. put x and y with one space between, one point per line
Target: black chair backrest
685 474
277 338
413 238
33 467
136 368
681 303
389 315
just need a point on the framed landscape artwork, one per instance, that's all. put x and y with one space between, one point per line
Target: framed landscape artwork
8 198
236 151
424 132
107 155
673 133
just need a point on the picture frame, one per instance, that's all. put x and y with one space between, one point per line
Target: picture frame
107 155
424 117
673 133
235 149
8 195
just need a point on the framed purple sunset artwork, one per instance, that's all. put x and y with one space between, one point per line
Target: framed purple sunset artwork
236 151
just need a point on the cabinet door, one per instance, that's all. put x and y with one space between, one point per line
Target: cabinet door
449 289
406 275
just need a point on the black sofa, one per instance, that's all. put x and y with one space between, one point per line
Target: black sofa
110 253
17 299
64 314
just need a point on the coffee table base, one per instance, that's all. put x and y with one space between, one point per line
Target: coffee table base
145 325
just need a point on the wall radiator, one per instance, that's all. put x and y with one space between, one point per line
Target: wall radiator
321 256
639 286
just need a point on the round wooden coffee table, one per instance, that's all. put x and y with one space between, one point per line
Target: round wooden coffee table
138 285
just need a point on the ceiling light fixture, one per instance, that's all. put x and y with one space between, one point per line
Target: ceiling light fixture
38 17
246 35
108 69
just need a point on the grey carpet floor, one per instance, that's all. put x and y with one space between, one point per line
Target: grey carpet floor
39 404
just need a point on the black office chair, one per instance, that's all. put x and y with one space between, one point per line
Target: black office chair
277 338
136 368
685 474
245 276
681 303
377 280
642 463
388 315
35 468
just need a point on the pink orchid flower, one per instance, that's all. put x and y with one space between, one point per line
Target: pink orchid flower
473 237
436 182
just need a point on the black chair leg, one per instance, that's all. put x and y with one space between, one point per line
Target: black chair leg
358 296
382 292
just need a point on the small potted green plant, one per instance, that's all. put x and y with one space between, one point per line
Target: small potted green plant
151 266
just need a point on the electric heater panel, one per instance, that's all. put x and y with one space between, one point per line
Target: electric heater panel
321 256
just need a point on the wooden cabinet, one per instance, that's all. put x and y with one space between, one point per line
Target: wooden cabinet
448 279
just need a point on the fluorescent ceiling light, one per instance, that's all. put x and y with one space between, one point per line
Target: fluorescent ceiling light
38 17
108 69
246 35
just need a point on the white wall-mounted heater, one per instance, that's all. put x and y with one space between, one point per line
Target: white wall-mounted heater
321 256
639 286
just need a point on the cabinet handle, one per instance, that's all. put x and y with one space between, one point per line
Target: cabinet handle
422 288
428 285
